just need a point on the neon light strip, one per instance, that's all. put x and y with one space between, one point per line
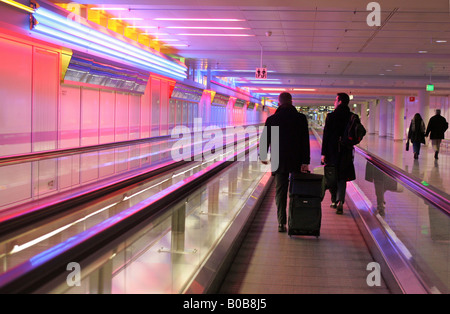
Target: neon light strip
222 35
176 45
203 20
127 18
68 30
109 9
145 26
68 24
18 5
99 41
91 45
204 27
156 34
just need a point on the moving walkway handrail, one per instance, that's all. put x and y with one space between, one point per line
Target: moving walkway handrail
34 213
29 157
438 198
40 269
382 245
35 156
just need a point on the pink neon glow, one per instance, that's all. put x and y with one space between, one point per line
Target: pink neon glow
198 19
109 9
204 27
176 45
127 18
223 35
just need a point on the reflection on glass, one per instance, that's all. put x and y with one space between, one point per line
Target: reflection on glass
163 256
422 229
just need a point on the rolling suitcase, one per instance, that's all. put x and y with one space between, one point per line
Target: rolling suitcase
306 191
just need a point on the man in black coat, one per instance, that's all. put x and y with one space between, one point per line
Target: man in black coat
293 153
336 155
437 125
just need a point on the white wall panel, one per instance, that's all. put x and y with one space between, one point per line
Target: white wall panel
122 129
45 118
106 163
89 167
47 176
15 97
164 108
156 99
15 183
107 132
134 106
146 111
68 172
121 125
107 116
90 115
90 101
45 99
69 112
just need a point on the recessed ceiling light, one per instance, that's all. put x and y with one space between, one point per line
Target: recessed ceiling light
155 34
176 45
223 35
109 9
423 51
127 18
198 19
441 41
135 26
203 27
397 65
165 39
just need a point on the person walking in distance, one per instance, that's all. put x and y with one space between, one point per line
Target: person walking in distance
293 149
416 134
437 125
336 155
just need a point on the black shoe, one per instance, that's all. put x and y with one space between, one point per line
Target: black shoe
333 205
281 228
340 208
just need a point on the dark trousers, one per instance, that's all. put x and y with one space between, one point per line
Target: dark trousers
338 191
416 147
282 187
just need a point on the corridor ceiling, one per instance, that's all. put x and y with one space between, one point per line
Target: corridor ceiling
324 45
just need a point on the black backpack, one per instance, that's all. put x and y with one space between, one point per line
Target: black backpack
354 132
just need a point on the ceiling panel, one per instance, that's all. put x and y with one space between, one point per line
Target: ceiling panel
311 40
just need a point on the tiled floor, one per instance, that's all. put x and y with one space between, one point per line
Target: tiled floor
274 263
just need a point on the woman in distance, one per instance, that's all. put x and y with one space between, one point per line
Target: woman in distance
416 134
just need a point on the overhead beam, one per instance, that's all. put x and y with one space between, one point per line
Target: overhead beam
384 78
317 54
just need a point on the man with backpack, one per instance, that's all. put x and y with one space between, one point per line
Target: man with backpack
342 130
